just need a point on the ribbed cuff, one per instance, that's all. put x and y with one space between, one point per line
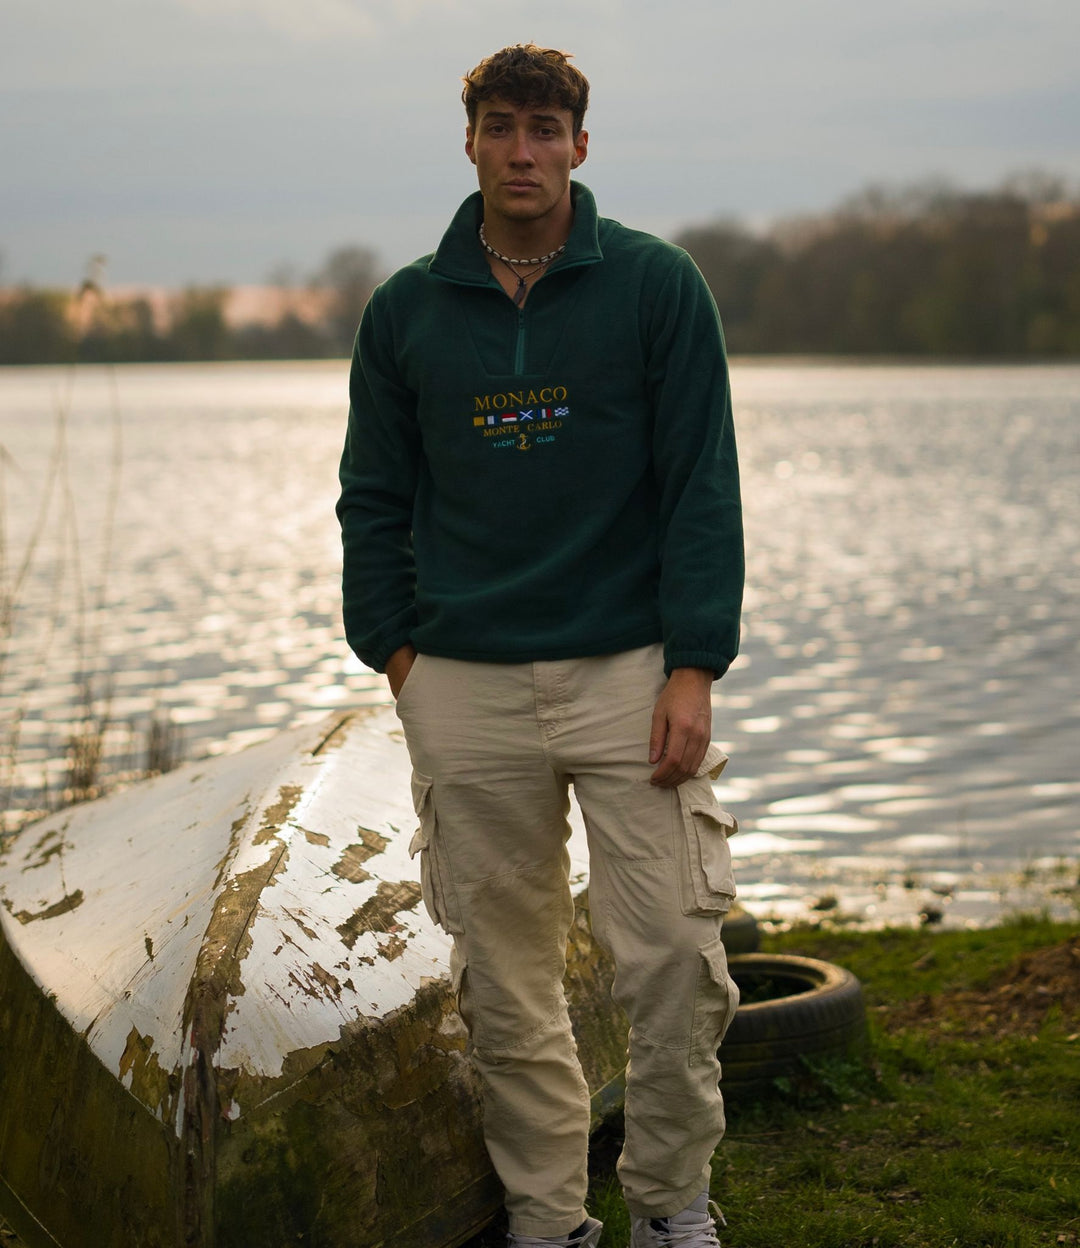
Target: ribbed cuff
696 658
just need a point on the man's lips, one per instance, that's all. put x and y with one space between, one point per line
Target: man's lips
521 184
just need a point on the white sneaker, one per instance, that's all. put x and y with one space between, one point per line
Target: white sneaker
587 1235
695 1227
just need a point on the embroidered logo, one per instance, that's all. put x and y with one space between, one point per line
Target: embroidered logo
501 417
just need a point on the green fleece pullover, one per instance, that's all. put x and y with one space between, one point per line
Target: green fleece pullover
548 482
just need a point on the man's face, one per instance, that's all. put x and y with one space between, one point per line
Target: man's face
523 158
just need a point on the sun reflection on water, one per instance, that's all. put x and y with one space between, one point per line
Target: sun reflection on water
903 717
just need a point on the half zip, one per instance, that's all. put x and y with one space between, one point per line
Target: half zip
459 261
519 344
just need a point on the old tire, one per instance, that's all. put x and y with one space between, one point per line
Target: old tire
794 1011
740 931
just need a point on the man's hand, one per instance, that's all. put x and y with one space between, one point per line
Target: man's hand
681 726
398 666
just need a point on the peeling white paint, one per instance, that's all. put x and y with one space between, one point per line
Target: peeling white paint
153 862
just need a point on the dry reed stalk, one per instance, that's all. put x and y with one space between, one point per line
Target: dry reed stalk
84 748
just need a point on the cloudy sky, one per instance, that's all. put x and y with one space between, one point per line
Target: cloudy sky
218 140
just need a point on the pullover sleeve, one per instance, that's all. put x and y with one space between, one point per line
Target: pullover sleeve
378 475
697 475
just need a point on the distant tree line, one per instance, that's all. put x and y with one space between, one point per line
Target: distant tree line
928 270
40 326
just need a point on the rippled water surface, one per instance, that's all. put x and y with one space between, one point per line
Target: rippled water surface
902 723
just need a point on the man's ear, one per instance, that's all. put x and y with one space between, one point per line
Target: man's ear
469 144
581 148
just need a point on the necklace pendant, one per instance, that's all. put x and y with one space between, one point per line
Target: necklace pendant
519 294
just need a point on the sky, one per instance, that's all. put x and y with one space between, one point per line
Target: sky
204 141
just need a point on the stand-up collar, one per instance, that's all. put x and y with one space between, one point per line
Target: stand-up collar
460 257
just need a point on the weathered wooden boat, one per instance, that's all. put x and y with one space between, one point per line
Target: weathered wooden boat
226 1018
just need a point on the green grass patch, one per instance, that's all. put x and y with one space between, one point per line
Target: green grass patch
964 1132
898 964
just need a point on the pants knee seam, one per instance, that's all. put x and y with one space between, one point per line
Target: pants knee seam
518 1041
681 1046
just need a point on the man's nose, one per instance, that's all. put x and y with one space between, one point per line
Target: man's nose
522 153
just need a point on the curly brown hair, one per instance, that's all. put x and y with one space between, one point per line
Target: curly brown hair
527 75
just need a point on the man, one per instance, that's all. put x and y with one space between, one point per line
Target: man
543 551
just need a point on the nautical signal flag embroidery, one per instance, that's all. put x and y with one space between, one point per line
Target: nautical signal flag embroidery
503 430
527 413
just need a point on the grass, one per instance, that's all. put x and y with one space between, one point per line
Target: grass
964 1133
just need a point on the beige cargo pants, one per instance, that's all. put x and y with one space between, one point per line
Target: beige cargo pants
494 748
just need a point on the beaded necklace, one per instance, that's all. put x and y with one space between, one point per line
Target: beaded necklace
540 263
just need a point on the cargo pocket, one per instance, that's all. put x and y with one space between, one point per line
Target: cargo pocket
706 882
715 1003
436 884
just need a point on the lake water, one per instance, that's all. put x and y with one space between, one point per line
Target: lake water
903 723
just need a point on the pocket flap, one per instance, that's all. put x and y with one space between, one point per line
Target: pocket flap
724 820
715 957
420 841
421 792
421 795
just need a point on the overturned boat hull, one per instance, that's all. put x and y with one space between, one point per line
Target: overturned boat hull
226 1018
